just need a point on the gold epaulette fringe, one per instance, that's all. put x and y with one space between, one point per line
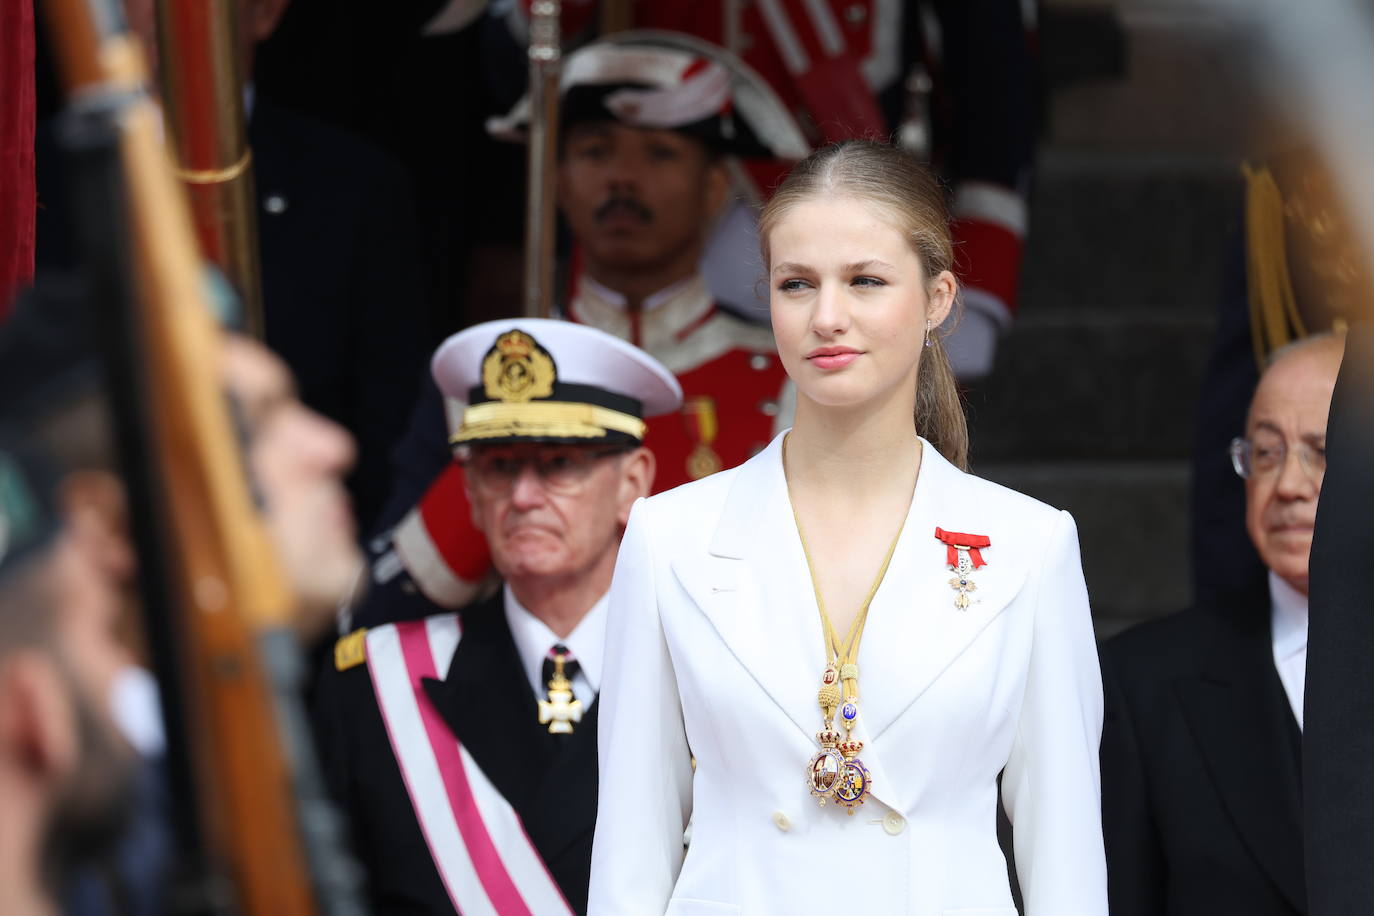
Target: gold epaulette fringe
1274 317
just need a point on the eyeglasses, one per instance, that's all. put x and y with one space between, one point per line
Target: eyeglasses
1263 456
560 470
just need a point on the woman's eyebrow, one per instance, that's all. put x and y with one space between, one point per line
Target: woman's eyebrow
859 267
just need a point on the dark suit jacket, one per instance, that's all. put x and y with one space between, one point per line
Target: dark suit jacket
1201 782
1339 708
341 278
486 700
341 281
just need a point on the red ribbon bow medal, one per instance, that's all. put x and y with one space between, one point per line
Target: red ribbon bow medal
963 554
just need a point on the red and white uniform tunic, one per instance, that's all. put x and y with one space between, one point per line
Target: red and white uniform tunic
736 395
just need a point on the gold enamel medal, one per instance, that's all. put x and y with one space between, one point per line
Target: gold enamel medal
560 710
855 780
826 765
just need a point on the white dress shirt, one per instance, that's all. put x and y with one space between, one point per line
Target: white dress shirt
1290 639
533 640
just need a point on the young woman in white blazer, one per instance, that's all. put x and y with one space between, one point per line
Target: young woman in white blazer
834 733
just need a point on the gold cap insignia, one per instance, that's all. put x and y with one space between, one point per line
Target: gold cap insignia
517 369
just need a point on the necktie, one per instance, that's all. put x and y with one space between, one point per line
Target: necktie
560 710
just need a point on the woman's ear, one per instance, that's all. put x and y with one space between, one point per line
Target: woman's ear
942 292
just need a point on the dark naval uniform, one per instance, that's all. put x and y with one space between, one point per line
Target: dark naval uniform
485 703
463 744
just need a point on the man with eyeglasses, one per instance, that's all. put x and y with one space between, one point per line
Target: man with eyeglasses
464 745
1201 748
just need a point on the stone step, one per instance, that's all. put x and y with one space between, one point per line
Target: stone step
1132 519
1086 386
1192 82
1122 232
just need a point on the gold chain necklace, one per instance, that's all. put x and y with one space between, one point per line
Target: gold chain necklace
835 771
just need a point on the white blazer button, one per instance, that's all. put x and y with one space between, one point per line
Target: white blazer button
893 823
781 821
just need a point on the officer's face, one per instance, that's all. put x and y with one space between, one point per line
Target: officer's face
1288 414
554 513
849 302
298 460
638 200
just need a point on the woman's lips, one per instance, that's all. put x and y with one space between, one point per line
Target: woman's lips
833 357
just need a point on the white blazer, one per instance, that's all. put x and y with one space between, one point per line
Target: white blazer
714 652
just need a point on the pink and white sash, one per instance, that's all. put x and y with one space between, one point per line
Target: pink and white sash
487 862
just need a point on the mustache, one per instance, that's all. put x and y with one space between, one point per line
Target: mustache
623 203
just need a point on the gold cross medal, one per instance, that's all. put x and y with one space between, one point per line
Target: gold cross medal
962 583
560 710
963 554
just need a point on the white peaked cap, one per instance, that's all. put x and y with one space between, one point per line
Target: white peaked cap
587 366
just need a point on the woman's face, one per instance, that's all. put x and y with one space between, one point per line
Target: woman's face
850 301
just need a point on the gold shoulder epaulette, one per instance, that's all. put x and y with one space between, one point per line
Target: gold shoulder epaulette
351 650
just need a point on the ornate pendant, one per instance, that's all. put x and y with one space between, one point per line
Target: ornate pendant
849 713
823 772
961 583
963 554
560 710
855 781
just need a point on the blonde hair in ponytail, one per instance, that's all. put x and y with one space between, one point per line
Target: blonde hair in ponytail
894 180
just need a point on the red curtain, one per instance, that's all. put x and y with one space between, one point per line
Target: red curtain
17 196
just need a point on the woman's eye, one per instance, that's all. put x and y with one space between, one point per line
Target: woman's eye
792 286
663 154
868 281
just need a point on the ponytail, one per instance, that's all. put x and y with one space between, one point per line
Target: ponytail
896 181
940 416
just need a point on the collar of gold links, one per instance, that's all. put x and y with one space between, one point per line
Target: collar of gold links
835 771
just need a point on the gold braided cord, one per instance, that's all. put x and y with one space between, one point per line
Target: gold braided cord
1274 317
845 655
545 419
217 176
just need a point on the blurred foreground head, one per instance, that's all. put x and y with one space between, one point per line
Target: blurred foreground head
298 460
65 773
1283 454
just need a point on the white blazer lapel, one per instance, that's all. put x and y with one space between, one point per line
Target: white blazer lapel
754 587
914 631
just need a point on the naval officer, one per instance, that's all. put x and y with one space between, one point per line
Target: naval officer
464 745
